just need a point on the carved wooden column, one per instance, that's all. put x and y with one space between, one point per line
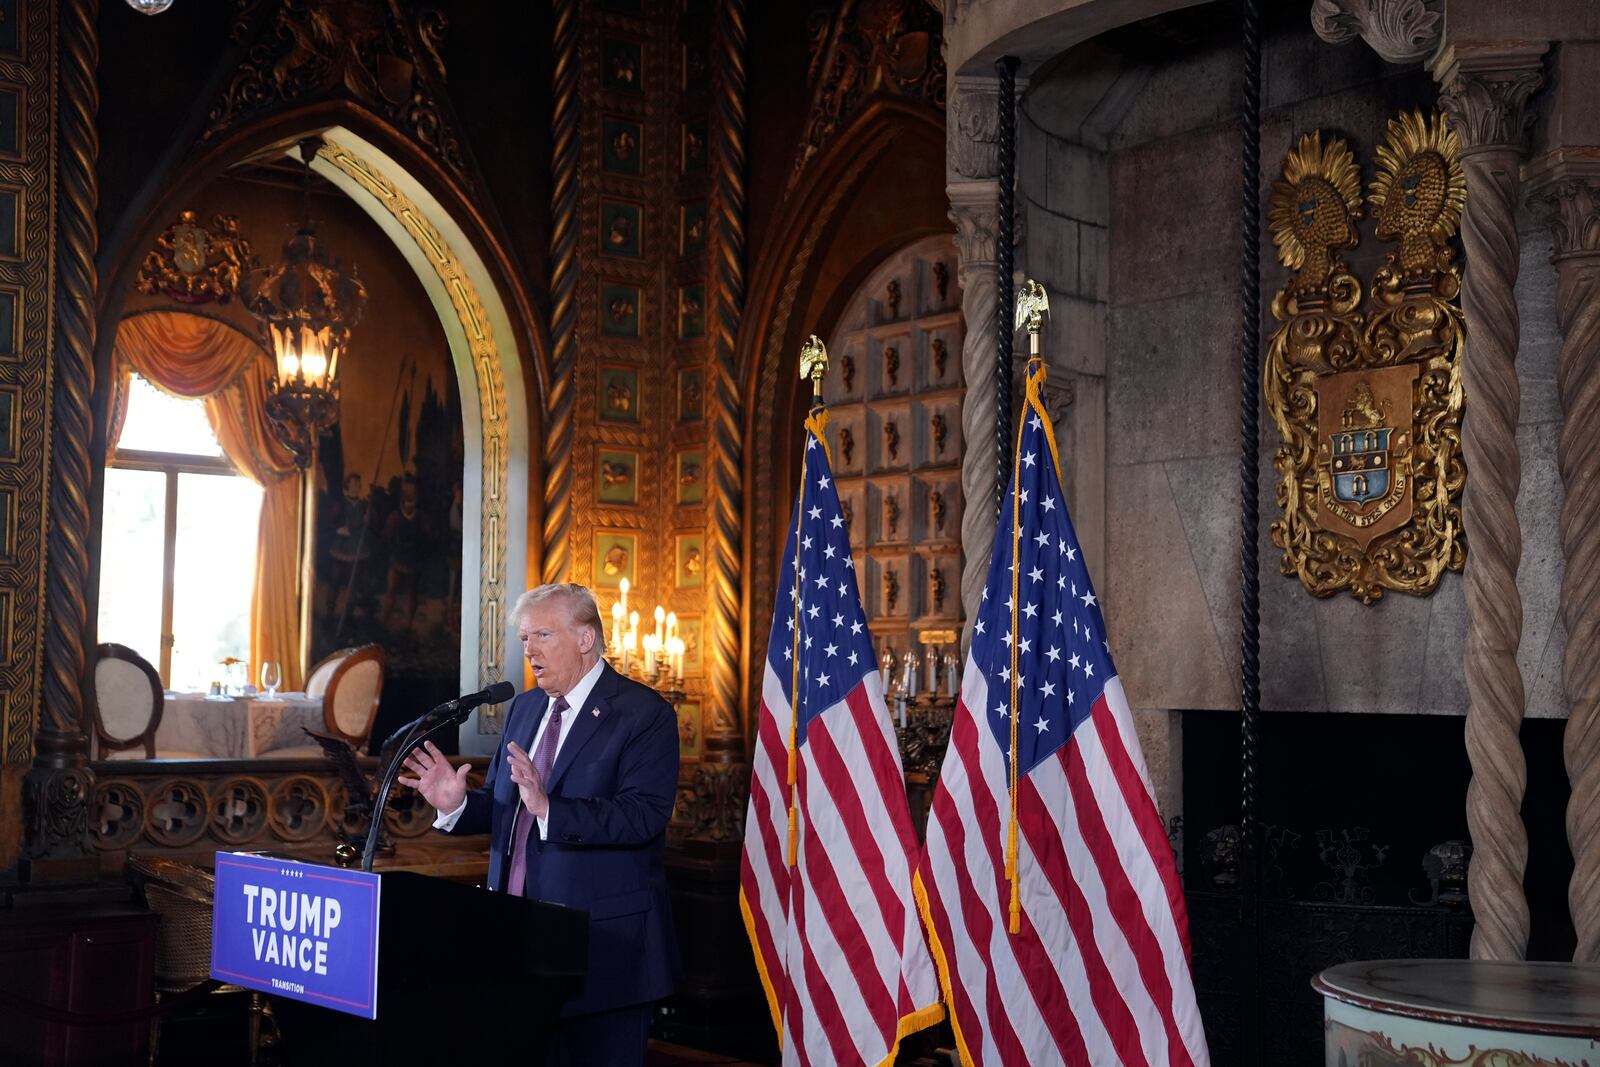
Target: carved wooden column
1484 93
57 789
1567 195
972 148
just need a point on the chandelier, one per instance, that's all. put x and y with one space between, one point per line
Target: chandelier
150 7
307 304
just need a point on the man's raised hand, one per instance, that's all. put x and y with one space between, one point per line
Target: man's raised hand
440 784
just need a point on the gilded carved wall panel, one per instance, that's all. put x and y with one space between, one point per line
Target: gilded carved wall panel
26 297
1368 401
640 334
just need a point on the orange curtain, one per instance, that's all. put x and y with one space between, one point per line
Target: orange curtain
193 356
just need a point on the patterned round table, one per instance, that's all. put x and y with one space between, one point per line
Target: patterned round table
1461 1013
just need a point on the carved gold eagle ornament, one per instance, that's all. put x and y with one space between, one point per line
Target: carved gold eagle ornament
1368 402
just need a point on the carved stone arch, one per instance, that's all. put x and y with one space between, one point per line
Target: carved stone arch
791 295
451 242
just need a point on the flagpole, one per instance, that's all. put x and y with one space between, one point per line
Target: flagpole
1249 503
1006 67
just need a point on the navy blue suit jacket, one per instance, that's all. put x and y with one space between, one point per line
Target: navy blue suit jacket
611 793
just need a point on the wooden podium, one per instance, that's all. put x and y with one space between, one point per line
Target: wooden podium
459 970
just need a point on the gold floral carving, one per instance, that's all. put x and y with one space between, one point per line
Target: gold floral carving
1372 1048
196 264
1368 401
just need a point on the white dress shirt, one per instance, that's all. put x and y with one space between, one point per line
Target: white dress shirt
575 699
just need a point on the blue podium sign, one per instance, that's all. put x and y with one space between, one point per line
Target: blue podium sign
299 930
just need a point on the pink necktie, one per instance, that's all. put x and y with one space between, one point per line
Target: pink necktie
544 756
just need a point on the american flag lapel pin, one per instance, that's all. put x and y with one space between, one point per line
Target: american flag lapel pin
596 711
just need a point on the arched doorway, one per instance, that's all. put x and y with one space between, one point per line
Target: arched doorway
486 317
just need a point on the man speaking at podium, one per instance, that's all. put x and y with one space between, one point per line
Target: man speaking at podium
577 803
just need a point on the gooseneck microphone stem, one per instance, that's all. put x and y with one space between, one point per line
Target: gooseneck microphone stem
381 803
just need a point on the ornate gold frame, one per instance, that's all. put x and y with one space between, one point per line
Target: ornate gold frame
1404 350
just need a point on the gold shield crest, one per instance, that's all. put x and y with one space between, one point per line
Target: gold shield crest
1368 399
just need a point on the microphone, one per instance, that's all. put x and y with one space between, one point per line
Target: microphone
413 734
498 693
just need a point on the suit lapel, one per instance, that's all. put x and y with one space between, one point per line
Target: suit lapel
594 714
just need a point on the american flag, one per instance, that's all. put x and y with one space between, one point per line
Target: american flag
826 890
1097 972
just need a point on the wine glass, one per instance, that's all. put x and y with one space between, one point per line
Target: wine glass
271 678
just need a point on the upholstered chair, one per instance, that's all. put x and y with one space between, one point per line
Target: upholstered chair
350 703
128 697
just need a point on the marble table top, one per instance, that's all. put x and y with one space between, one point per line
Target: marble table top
1528 997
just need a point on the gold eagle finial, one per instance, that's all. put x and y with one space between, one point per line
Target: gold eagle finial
814 362
1033 307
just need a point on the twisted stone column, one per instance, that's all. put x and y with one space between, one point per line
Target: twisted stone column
1568 197
57 789
1484 94
558 426
724 577
974 208
972 148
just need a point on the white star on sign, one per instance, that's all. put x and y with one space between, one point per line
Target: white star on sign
822 581
1049 689
1072 553
1036 574
838 620
1024 646
1058 618
831 650
1000 710
1088 599
1027 460
1043 724
978 626
827 551
1034 425
822 482
805 542
1088 670
822 679
1043 540
815 611
814 513
1049 503
1030 610
1054 654
836 522
1074 661
853 659
855 627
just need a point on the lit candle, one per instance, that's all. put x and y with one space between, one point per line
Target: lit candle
931 658
952 677
672 625
661 621
909 683
623 586
616 627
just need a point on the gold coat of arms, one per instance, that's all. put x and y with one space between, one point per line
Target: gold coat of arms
1368 401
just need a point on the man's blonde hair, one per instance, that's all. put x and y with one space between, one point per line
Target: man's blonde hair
581 606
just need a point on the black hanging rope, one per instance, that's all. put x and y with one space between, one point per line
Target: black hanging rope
1249 429
1005 310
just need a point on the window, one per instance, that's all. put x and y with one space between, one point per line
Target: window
177 542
